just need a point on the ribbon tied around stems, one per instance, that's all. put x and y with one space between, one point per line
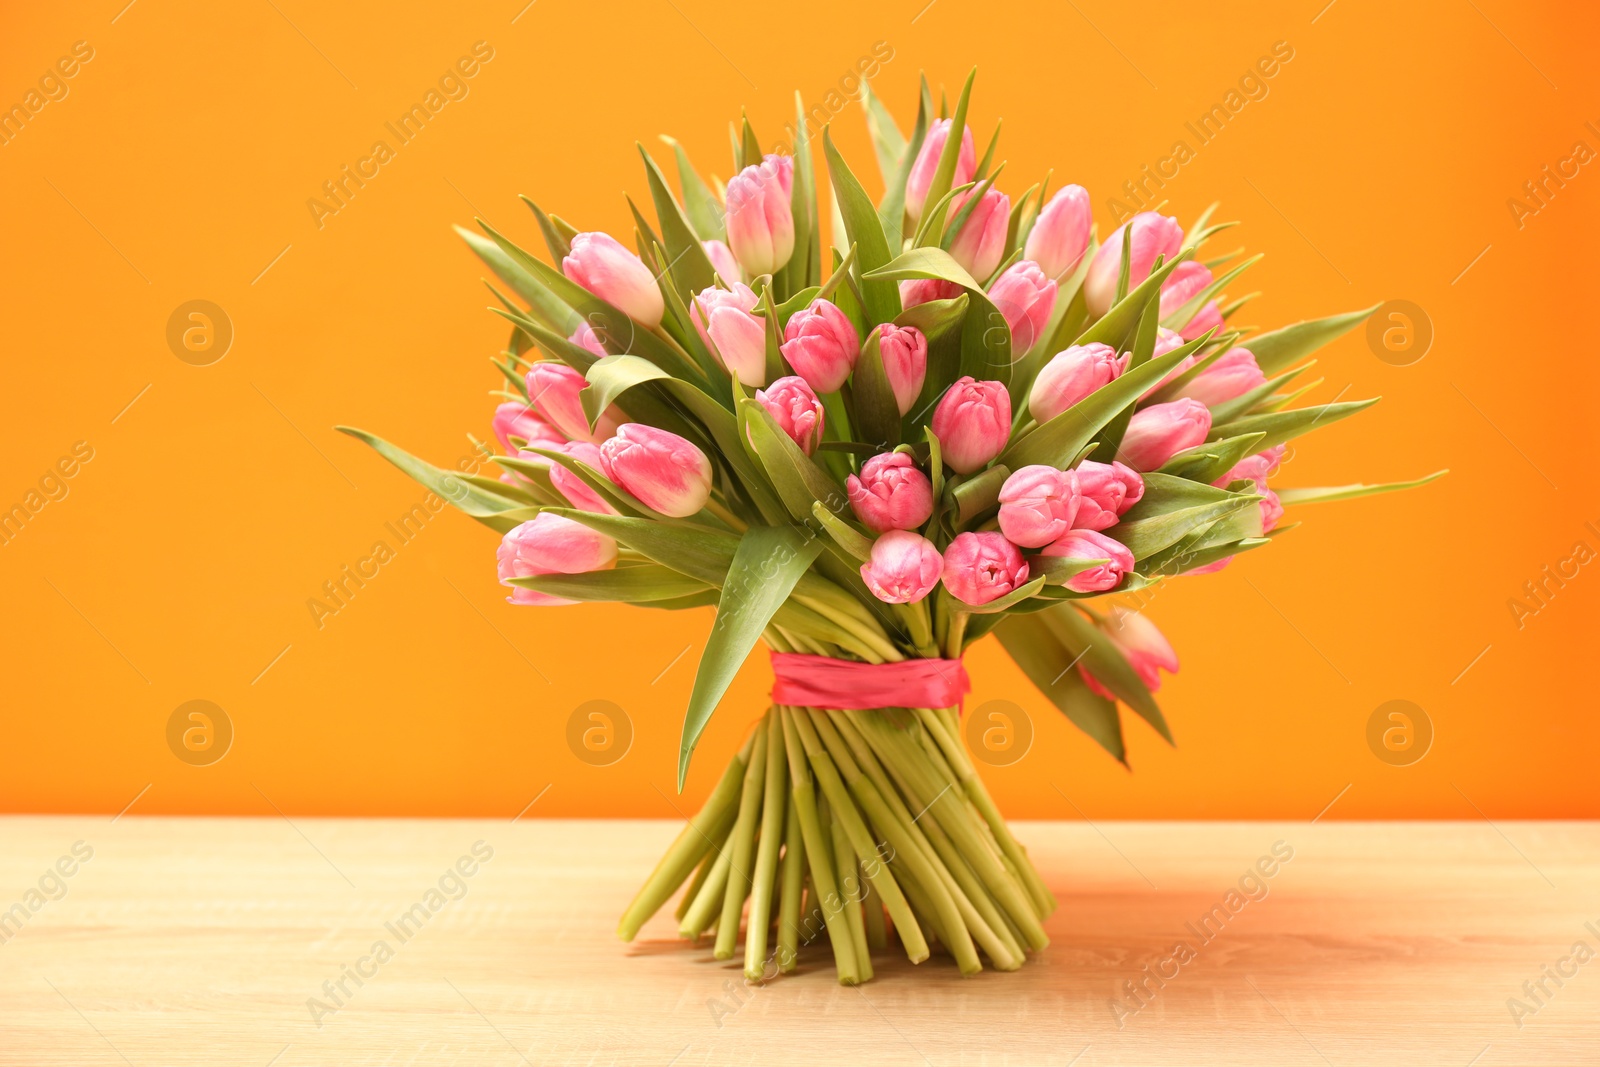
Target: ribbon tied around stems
802 680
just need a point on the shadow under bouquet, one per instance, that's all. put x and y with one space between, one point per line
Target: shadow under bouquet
962 416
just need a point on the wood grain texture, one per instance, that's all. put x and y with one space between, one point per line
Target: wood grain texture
201 941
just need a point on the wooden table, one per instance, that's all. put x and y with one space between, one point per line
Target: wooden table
209 941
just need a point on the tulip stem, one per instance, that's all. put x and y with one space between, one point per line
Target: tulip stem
956 635
721 511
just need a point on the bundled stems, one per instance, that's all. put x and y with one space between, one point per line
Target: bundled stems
866 826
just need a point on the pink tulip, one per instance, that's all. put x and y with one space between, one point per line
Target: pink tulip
821 344
981 243
1061 234
1072 375
983 566
1025 297
972 422
1153 235
796 410
1256 468
722 261
890 493
520 420
601 265
1107 491
1037 505
905 361
903 569
663 471
914 291
1184 284
1089 544
726 321
575 489
554 388
1157 433
1141 644
551 544
585 337
1233 374
760 224
921 176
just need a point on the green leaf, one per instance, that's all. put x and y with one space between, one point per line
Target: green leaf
888 143
699 202
1048 665
944 174
865 232
892 208
1281 426
1190 553
1145 537
1057 443
1144 346
1276 350
1165 493
853 541
940 322
688 263
698 552
1351 492
805 265
1208 462
1245 402
1116 325
764 570
1102 659
500 513
975 497
544 305
630 585
1188 309
798 479
1055 570
558 244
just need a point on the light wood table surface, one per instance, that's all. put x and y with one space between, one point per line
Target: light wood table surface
203 941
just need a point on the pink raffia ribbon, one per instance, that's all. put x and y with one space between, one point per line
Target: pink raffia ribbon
823 682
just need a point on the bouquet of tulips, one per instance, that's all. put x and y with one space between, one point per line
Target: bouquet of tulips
960 415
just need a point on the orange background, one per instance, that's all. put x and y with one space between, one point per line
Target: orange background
180 563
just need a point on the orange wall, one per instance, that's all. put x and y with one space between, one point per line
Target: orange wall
179 564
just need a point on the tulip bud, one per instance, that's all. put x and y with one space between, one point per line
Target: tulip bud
722 261
1061 234
922 171
520 420
1183 285
890 493
663 471
1157 433
972 422
1072 375
1025 297
1090 544
1106 492
760 223
1141 644
586 338
553 389
551 544
981 243
914 291
726 322
1037 505
983 566
601 265
796 410
905 362
1153 235
821 344
1256 468
903 569
575 489
1233 374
